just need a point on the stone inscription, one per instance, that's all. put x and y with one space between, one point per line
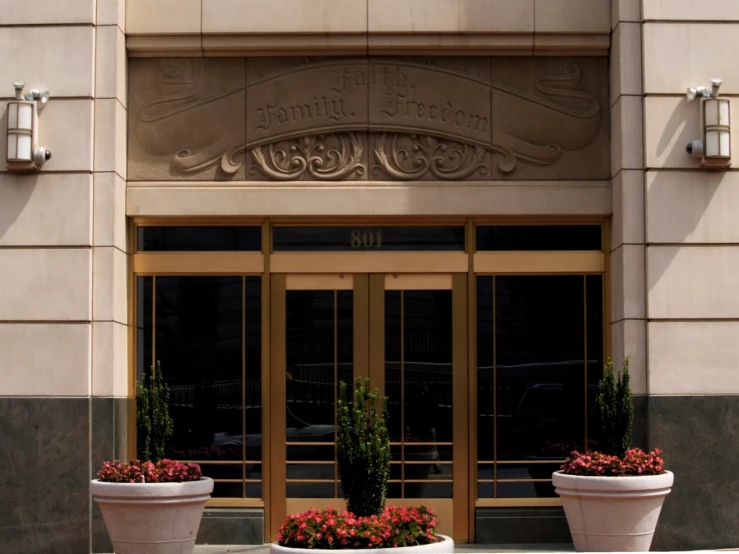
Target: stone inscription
374 96
396 119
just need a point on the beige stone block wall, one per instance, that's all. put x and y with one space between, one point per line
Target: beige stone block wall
627 262
63 261
387 27
690 223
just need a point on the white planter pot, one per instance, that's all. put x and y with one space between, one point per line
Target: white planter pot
612 514
155 518
446 546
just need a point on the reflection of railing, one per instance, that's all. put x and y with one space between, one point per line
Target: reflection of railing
227 394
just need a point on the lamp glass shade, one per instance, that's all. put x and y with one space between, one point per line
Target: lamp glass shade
25 117
12 146
711 112
25 147
712 144
725 144
12 116
724 112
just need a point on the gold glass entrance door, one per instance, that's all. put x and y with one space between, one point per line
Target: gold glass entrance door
408 333
418 337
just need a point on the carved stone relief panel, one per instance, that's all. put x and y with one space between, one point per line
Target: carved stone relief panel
551 118
307 119
186 119
384 119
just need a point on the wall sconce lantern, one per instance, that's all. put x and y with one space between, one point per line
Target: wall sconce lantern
714 149
23 152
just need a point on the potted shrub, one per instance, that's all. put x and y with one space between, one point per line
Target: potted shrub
363 457
612 498
154 506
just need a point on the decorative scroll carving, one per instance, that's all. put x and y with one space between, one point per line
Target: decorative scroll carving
445 160
314 156
313 120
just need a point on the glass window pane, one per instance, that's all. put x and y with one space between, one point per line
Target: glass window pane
596 358
199 344
194 238
311 381
374 238
428 490
540 368
253 368
144 336
311 471
393 377
539 237
427 330
485 416
525 490
227 490
311 490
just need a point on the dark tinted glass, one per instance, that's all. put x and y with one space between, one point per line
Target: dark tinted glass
596 359
367 238
319 354
485 414
420 373
201 326
199 239
540 333
539 237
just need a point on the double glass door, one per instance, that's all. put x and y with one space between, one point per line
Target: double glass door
408 334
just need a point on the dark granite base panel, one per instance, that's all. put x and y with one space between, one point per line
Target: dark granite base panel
699 436
521 526
231 526
108 442
640 426
44 475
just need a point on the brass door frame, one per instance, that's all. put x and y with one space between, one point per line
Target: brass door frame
469 262
369 360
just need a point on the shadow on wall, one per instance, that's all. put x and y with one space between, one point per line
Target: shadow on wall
666 204
15 191
695 432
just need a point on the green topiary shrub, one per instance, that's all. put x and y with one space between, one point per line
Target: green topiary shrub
155 426
363 449
614 410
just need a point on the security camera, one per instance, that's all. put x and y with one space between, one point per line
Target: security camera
715 85
695 148
41 155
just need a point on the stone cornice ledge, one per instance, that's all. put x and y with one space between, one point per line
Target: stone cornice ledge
489 44
355 198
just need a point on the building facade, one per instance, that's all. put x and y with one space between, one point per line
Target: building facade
473 203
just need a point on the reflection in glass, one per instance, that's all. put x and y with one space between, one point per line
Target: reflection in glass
536 336
198 238
319 353
200 329
311 490
363 238
199 342
596 358
525 490
418 370
538 237
539 335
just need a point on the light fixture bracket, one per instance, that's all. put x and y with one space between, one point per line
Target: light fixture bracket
713 149
23 153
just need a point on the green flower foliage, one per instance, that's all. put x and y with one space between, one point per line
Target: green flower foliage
363 449
155 426
615 410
